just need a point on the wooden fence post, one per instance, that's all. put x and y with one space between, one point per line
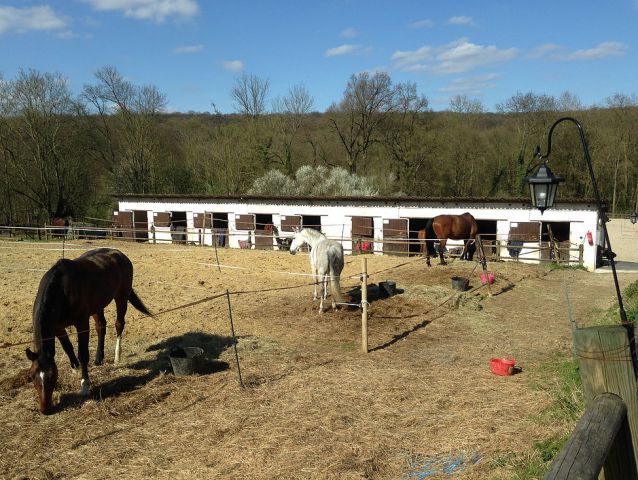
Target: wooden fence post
364 304
601 439
606 367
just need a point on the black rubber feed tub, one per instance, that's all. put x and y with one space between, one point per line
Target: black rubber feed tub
186 361
460 283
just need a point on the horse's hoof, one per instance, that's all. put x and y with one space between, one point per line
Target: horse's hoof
98 362
85 387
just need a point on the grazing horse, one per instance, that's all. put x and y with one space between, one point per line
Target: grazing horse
69 293
455 227
326 262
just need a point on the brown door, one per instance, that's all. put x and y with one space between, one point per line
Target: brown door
162 219
290 222
263 239
395 236
123 223
245 222
140 220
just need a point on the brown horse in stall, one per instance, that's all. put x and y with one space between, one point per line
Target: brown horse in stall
454 227
69 293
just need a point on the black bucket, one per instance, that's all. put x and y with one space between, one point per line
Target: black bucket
388 288
186 361
460 283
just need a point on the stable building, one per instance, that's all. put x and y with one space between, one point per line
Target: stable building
509 228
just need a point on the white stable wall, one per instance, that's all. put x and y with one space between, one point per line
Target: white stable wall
336 217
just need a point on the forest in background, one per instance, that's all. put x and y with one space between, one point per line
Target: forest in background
65 154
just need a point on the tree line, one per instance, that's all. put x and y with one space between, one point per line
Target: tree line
65 154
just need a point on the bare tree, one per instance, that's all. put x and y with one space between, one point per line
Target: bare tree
127 115
250 94
465 104
42 152
359 117
290 113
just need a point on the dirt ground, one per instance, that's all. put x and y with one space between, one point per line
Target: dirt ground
423 402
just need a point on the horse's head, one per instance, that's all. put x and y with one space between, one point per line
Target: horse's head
44 375
297 242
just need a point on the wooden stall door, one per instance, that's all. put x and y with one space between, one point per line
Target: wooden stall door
395 236
123 224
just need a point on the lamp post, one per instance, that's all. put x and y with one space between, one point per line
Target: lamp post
543 185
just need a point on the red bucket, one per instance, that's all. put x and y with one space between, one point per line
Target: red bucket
502 366
490 278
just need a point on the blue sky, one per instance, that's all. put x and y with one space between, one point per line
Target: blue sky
193 50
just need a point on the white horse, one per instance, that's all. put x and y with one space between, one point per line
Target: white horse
326 262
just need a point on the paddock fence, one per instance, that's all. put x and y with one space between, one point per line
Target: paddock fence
496 247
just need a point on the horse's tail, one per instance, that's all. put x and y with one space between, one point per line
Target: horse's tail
430 236
335 268
137 303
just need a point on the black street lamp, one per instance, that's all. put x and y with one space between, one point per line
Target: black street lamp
543 187
633 218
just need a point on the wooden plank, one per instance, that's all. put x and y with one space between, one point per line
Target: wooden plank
362 227
606 367
162 219
601 437
395 236
525 231
289 223
245 222
263 239
202 220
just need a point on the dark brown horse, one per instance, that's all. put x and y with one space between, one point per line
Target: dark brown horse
69 293
454 227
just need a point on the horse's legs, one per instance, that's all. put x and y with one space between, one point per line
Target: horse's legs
121 306
442 243
83 353
67 346
324 291
100 328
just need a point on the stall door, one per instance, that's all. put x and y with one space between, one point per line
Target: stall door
395 236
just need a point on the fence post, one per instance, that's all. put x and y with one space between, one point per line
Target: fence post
606 367
153 234
498 250
580 254
364 304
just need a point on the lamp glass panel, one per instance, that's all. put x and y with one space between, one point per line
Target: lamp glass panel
541 193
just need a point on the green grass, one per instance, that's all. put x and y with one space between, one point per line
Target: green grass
562 266
560 378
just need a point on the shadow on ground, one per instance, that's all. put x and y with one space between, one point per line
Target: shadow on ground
375 293
213 346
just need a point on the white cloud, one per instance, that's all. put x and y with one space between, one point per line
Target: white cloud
461 21
187 49
233 65
560 53
544 50
470 85
345 49
155 10
456 57
602 50
348 33
426 23
407 58
22 20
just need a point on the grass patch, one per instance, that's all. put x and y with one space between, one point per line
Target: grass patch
562 266
560 378
611 315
